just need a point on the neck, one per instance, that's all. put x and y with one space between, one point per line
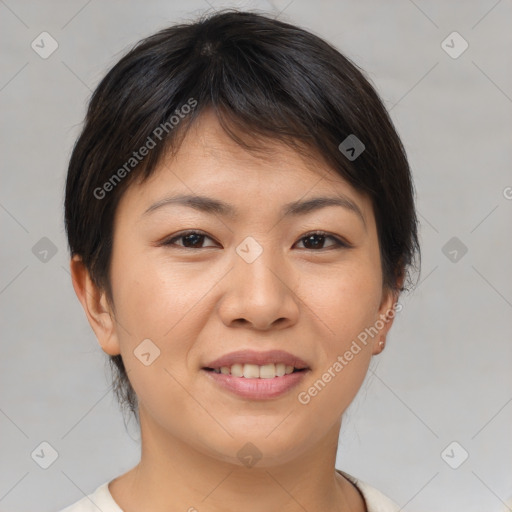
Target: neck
174 474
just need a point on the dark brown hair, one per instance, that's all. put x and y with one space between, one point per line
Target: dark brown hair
262 77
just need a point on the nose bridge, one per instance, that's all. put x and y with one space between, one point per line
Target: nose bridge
259 265
259 291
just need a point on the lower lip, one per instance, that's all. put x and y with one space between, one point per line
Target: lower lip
257 389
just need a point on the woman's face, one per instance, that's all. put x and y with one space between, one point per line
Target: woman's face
251 279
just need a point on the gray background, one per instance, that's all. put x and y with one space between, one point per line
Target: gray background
445 374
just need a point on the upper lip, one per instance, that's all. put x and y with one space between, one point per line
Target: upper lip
258 358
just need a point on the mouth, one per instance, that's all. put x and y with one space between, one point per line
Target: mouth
256 375
256 383
253 371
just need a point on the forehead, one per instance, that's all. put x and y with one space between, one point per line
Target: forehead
209 162
207 140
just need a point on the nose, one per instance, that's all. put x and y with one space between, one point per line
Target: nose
260 294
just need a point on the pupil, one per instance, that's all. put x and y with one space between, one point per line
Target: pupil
193 236
311 237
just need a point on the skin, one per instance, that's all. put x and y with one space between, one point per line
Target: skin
204 301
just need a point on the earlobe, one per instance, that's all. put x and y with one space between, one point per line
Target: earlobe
96 307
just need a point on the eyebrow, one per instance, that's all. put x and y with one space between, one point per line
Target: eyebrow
210 205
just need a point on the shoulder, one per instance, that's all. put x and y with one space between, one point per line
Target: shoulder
99 499
375 500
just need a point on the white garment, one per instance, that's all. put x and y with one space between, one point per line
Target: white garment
101 499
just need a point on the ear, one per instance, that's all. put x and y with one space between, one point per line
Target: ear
387 312
96 307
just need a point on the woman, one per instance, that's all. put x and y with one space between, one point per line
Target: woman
241 222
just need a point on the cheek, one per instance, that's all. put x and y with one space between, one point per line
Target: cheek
349 307
159 302
151 296
345 301
156 303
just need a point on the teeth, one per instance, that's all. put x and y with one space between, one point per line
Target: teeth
253 371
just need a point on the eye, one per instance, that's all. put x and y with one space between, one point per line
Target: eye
191 239
194 240
316 240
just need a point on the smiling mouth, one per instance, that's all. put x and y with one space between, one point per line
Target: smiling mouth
271 381
253 371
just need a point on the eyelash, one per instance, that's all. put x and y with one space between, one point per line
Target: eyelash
339 244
